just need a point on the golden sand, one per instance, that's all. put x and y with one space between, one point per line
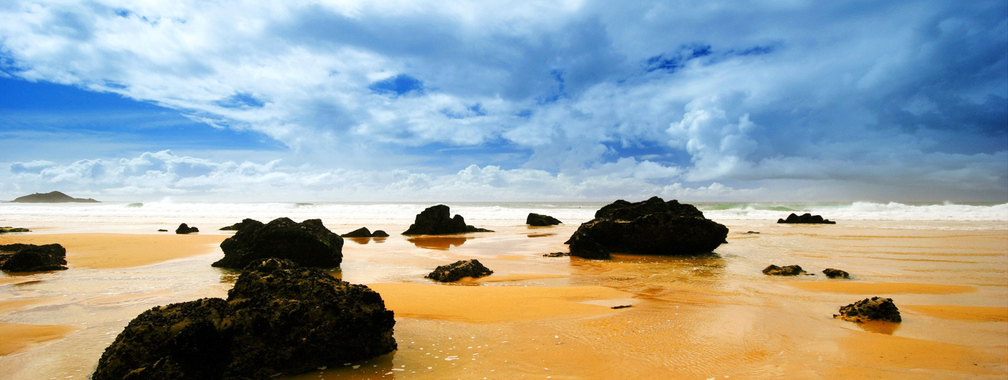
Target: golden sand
879 288
18 336
106 251
962 313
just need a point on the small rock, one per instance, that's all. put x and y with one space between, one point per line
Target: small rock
539 220
835 273
790 270
870 309
805 218
162 230
185 229
459 269
362 232
752 233
379 233
556 254
621 306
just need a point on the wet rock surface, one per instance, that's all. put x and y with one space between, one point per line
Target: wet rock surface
789 270
436 220
458 270
651 227
32 258
805 218
308 243
540 220
870 309
280 318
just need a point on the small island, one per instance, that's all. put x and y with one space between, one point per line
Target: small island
52 197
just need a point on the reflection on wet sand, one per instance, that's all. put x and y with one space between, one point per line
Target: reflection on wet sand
438 242
365 240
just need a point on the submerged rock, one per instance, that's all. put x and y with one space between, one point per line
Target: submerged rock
32 258
435 220
459 269
185 229
307 243
870 309
278 319
539 220
240 225
790 270
835 273
651 227
805 218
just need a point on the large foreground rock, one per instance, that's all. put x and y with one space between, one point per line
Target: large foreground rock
279 319
805 218
459 269
436 220
32 258
540 220
307 243
870 309
651 227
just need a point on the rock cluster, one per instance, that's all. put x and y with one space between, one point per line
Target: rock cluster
185 229
870 309
805 218
790 270
308 243
363 232
459 269
32 258
436 220
651 227
540 220
279 318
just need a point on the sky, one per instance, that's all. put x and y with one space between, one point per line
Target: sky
773 100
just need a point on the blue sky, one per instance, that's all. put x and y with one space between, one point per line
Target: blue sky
505 100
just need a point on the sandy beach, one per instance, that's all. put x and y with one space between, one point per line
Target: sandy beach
703 317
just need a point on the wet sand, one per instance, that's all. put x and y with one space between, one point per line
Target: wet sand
107 251
703 317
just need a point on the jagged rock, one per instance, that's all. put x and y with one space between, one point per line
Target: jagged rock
870 309
651 227
278 319
459 269
835 273
307 243
185 229
539 220
805 218
435 220
790 270
240 225
52 197
32 258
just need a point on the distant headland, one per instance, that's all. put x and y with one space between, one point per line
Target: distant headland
52 197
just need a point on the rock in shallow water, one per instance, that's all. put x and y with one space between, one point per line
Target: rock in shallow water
278 318
436 220
307 243
459 269
790 270
32 258
870 309
651 227
539 220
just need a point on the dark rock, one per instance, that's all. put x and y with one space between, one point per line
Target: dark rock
240 225
752 232
32 258
456 271
805 218
185 229
379 234
539 220
162 230
307 243
435 221
790 270
4 230
52 197
556 254
278 319
835 273
651 227
870 309
362 232
621 306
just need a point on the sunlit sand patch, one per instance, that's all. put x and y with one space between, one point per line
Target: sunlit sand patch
869 355
107 251
491 304
962 313
18 336
876 288
517 277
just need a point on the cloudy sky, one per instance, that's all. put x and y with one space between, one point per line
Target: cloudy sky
505 100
